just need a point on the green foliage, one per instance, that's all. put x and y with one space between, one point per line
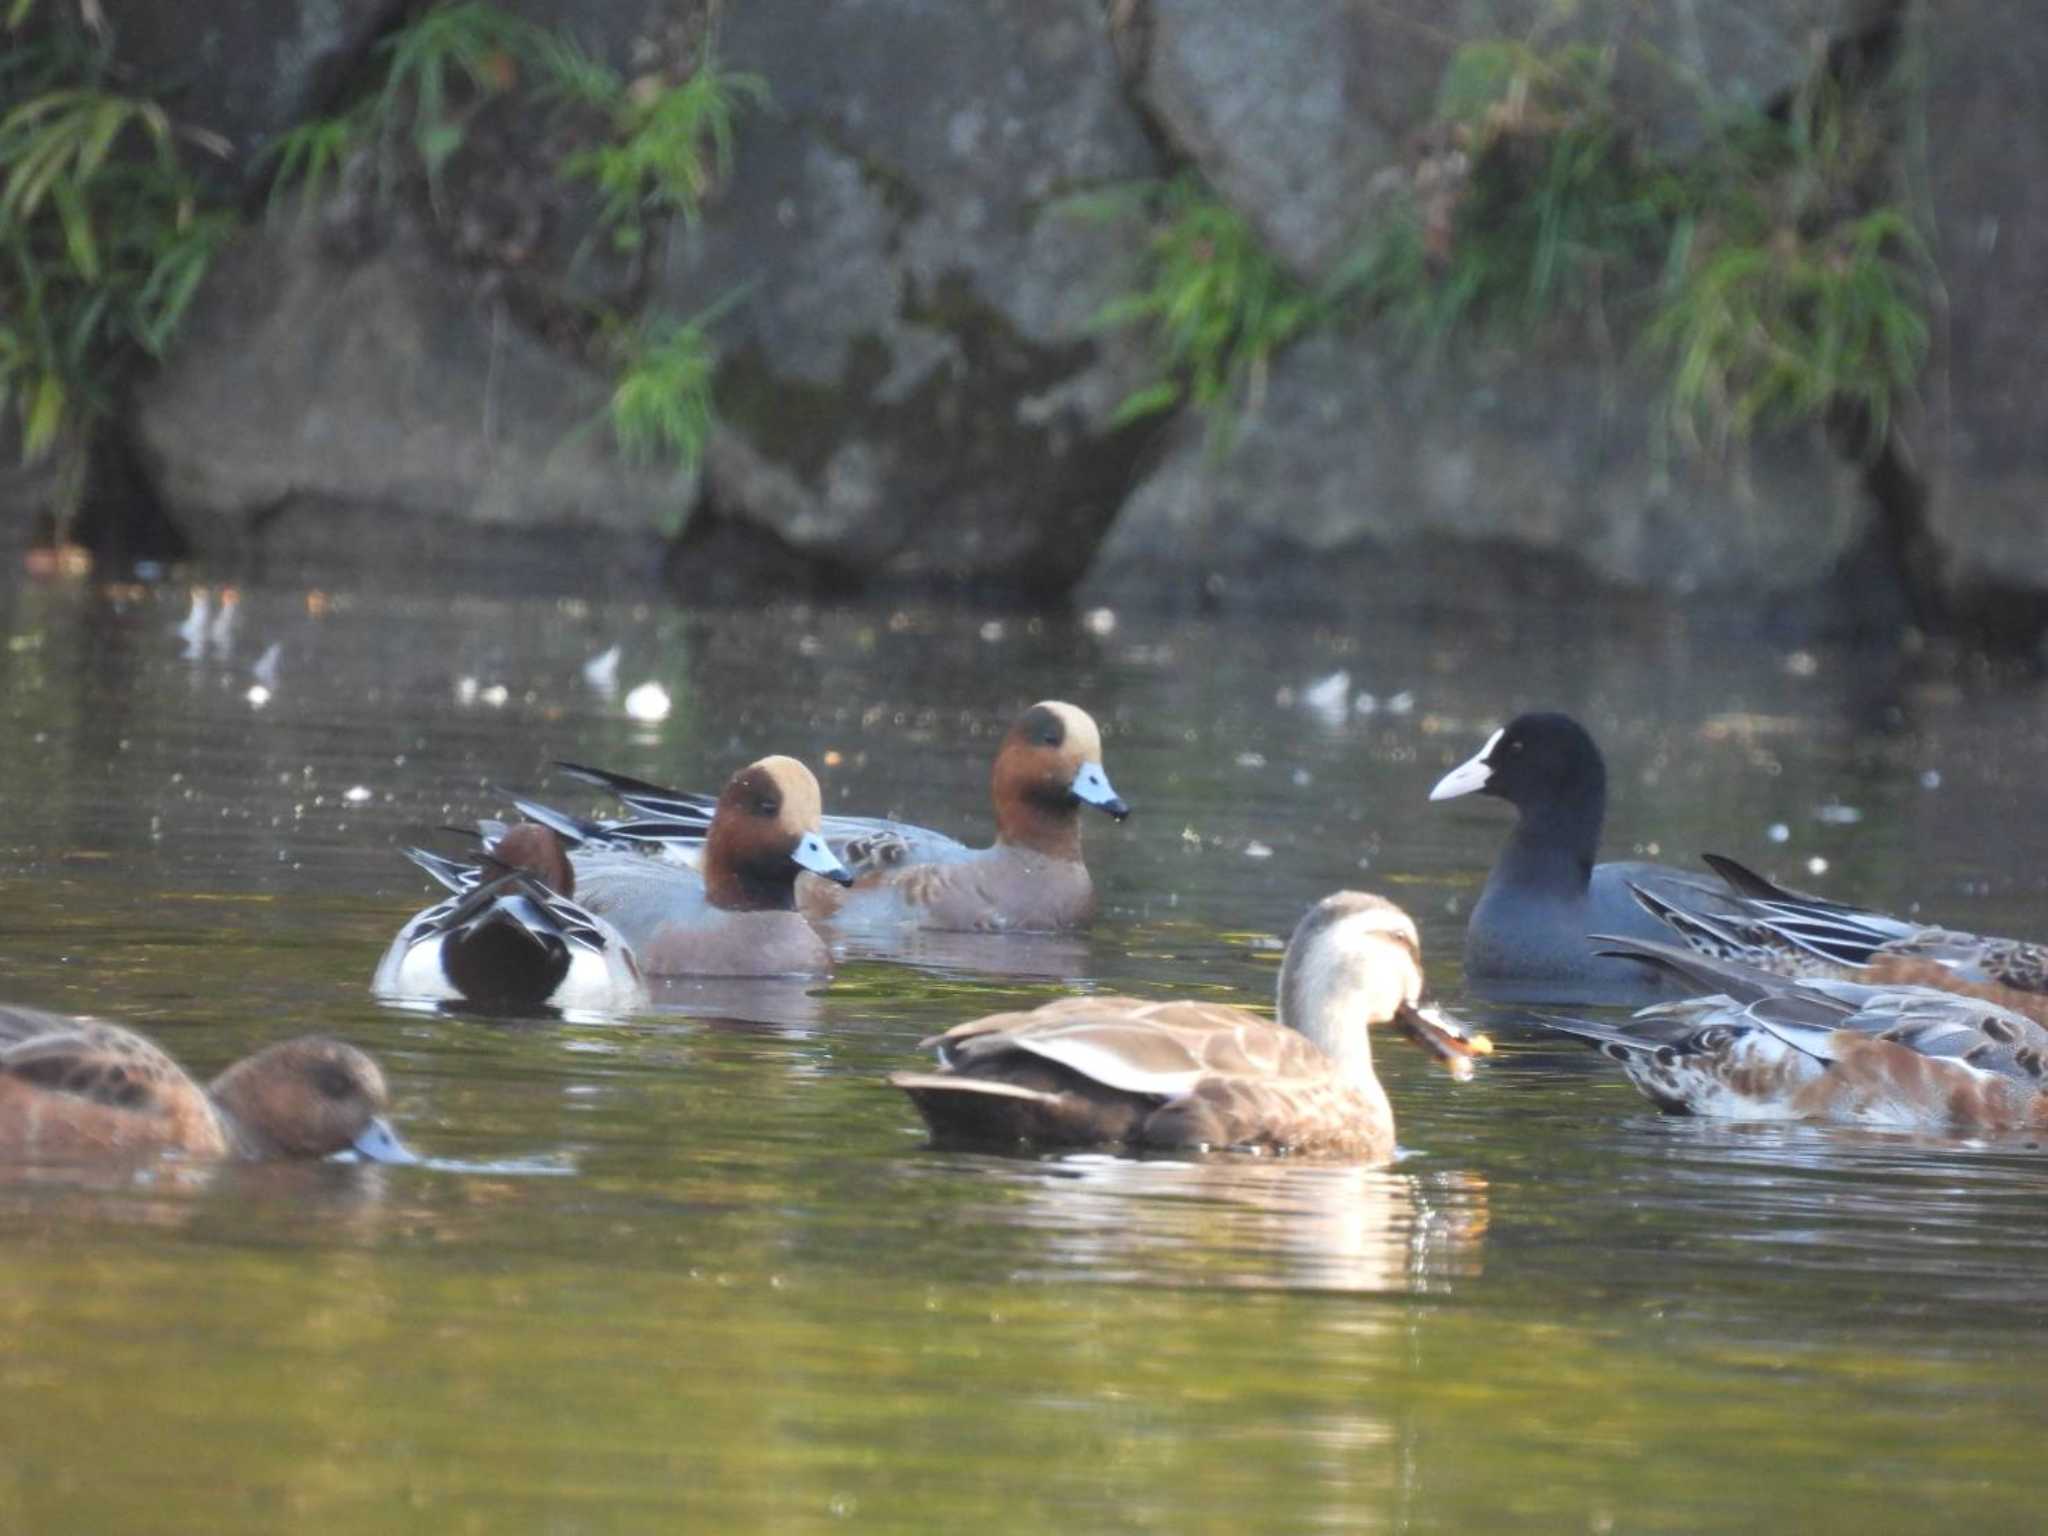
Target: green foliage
661 404
103 243
1756 267
446 58
669 147
1214 304
312 153
1795 329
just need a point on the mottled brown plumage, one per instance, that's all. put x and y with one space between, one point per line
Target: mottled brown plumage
1791 933
79 1087
1760 1046
1186 1075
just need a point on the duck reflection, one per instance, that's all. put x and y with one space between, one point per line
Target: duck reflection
1244 1223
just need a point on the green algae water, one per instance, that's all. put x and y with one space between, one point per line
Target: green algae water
699 1270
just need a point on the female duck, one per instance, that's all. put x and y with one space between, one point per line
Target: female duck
737 914
1193 1076
77 1088
1794 934
1032 880
1768 1047
511 936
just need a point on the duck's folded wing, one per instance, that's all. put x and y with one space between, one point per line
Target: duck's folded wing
1161 1049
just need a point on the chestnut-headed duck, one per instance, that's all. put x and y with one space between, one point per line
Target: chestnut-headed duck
78 1088
1760 1046
1032 880
1528 935
736 914
511 936
1794 934
1091 1071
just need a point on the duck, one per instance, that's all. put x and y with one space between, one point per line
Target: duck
511 935
1756 1045
78 1087
1527 940
1031 880
1795 934
1200 1076
736 913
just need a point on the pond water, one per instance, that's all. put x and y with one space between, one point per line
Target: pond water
699 1269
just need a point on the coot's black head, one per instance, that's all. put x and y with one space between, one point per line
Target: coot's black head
1532 762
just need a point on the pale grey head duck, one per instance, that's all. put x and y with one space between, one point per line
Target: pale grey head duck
1187 1075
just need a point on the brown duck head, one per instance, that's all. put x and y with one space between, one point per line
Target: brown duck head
309 1097
763 833
1049 766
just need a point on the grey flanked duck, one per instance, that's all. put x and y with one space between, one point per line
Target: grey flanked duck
1032 880
737 915
1186 1076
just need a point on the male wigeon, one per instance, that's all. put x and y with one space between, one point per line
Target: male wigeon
1032 880
1761 1046
736 914
1795 934
511 936
1204 1076
1528 935
78 1087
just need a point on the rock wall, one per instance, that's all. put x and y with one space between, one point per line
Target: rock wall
910 386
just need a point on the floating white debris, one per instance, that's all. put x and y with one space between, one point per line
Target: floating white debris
1931 779
1836 814
220 634
1401 703
649 703
1366 704
1778 832
193 630
258 696
465 690
992 631
1257 850
494 696
356 794
1329 698
265 668
602 671
1816 865
1099 621
1802 664
1251 760
1302 778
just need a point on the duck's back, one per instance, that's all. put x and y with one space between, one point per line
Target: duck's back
78 1087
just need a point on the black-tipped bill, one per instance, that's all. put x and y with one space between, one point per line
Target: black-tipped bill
1445 1038
1092 785
812 854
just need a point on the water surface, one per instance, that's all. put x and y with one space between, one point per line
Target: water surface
698 1269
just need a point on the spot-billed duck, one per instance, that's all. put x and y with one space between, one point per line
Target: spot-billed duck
1190 1075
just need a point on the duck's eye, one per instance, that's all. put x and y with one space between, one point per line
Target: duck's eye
766 807
1515 747
333 1082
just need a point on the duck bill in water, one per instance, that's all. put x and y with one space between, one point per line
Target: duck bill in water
1444 1037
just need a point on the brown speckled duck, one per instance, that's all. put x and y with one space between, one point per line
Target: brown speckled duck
1794 934
1205 1076
77 1087
1756 1045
